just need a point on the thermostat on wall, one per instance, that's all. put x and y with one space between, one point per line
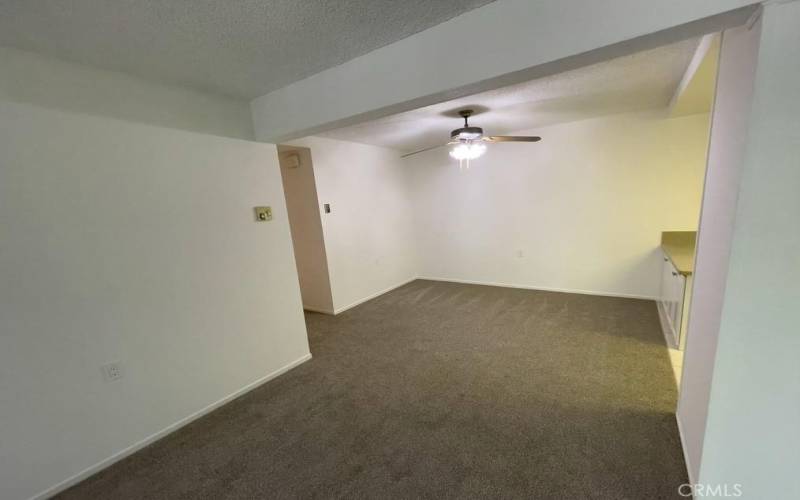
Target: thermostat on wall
263 213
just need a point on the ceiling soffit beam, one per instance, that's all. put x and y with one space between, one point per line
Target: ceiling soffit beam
695 70
697 59
502 43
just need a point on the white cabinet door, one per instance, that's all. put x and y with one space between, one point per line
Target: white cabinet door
665 302
673 285
678 285
666 282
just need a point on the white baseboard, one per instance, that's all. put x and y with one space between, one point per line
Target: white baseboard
689 468
116 457
320 310
542 288
370 297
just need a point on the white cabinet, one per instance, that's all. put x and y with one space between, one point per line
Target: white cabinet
673 303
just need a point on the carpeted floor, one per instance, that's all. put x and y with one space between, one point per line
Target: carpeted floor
440 390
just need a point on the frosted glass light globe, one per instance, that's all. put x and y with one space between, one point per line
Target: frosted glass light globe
468 151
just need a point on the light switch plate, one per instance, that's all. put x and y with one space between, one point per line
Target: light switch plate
263 214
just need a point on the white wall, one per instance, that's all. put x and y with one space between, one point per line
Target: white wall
508 41
582 210
31 78
299 187
369 234
130 243
736 72
753 430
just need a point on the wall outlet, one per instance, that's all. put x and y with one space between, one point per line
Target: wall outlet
112 371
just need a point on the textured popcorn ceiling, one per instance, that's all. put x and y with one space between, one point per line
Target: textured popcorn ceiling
645 80
242 48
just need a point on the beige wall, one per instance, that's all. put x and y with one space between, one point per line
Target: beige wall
369 234
131 243
582 210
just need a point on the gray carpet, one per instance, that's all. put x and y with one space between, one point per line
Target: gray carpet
440 390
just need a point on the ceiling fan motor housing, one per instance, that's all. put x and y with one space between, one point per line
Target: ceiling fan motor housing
469 141
466 134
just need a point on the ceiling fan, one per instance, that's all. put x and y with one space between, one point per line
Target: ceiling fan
470 143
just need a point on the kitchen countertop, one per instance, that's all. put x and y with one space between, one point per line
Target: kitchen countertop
679 247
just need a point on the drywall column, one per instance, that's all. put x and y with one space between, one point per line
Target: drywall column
729 123
753 429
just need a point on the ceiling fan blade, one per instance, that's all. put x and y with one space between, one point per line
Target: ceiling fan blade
512 138
426 149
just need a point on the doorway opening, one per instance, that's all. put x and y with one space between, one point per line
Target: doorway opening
308 241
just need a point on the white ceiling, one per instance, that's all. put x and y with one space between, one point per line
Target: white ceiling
644 80
242 48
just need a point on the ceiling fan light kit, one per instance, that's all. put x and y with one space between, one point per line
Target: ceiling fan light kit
468 151
469 143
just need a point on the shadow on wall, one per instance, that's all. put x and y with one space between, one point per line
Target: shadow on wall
51 83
